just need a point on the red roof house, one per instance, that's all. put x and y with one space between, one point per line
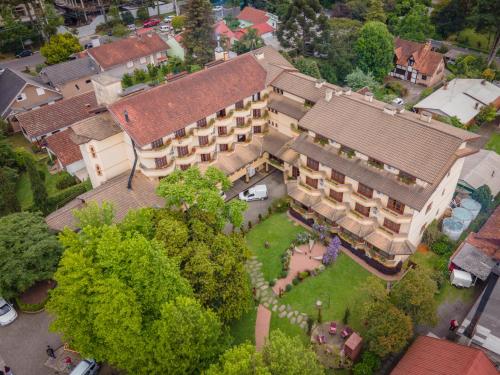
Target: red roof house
487 240
432 356
61 145
252 15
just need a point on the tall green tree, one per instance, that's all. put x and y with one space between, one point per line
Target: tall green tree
198 35
375 49
8 198
483 195
60 48
376 11
307 66
28 252
240 360
40 196
304 28
415 25
93 215
414 295
52 20
250 41
14 32
486 114
486 18
450 16
358 79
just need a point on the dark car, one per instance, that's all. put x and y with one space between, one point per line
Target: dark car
24 53
151 22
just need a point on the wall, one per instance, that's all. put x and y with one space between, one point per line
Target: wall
33 99
76 166
69 89
142 63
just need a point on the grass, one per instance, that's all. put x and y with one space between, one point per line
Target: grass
494 143
290 329
279 231
23 193
244 329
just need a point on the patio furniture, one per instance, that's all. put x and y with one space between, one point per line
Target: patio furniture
346 332
321 339
297 250
333 328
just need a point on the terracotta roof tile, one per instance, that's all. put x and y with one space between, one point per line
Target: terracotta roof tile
59 115
426 61
172 106
124 50
488 238
97 128
253 15
431 356
222 29
262 28
62 145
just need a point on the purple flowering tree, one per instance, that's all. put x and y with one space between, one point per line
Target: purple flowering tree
332 251
320 230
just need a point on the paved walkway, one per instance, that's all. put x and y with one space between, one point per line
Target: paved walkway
302 260
262 324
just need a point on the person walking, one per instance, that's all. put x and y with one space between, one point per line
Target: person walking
8 371
453 325
50 352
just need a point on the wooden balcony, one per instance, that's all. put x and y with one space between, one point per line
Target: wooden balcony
183 141
243 129
260 104
158 171
206 149
186 159
341 188
319 174
155 152
207 130
396 216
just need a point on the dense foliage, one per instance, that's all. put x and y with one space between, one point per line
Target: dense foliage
60 48
198 35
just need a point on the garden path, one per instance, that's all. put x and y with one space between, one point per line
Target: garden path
262 324
300 262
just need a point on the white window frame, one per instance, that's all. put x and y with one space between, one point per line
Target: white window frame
40 91
130 64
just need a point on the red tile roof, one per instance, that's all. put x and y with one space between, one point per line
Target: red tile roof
426 61
124 50
222 29
66 151
431 356
253 15
59 115
488 238
162 110
263 28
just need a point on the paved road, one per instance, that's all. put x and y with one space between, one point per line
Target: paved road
23 344
20 64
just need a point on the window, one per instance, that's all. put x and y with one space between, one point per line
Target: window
239 105
161 162
40 91
184 166
201 123
338 177
223 147
240 121
222 130
428 208
256 113
221 113
295 172
365 190
130 64
21 97
395 205
336 196
182 151
205 157
312 164
256 97
157 144
88 81
424 77
277 90
203 140
98 170
365 211
180 133
92 151
312 182
392 225
77 87
257 129
142 60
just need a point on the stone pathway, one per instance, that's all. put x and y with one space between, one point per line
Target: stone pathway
268 303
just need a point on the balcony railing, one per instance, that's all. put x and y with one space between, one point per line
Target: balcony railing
158 171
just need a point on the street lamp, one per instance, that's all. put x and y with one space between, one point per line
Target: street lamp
318 306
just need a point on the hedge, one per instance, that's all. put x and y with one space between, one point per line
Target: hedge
60 199
31 307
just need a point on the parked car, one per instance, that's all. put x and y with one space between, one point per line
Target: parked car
168 19
398 101
7 312
151 22
255 193
165 28
24 53
86 367
131 27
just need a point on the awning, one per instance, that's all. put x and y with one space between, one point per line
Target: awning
329 212
389 246
472 260
355 227
301 196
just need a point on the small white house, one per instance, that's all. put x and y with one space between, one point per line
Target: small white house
66 154
461 279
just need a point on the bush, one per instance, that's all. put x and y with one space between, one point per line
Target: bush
65 180
303 275
127 17
260 217
426 92
119 30
67 195
431 234
283 274
369 364
280 204
142 13
443 246
249 225
397 88
347 313
272 283
295 281
288 288
31 307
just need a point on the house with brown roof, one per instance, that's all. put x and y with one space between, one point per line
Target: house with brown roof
433 356
487 240
417 63
126 55
66 154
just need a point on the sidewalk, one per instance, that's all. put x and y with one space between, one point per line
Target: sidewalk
262 325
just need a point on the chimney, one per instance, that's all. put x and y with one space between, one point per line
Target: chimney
425 116
338 92
259 55
328 94
390 109
125 113
346 90
368 96
319 83
399 108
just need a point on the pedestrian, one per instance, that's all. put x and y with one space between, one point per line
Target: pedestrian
453 325
50 352
8 371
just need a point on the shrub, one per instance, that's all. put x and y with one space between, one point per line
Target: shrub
295 281
119 30
65 180
269 210
260 218
30 307
347 313
280 205
249 225
332 251
60 199
142 13
288 288
283 274
272 283
426 92
431 234
443 246
397 88
303 275
127 17
302 238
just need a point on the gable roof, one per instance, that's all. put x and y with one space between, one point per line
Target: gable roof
124 50
482 168
172 106
253 15
11 85
222 29
460 98
432 356
98 127
69 71
59 115
488 238
62 145
426 60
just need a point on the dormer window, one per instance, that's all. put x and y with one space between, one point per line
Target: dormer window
312 164
239 105
21 97
221 113
180 133
98 170
395 206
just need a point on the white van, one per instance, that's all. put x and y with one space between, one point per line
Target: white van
86 367
165 28
255 193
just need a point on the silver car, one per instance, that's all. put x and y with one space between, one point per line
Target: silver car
7 312
86 367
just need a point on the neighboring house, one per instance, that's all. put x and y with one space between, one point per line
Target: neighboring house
434 356
461 97
67 154
252 17
21 93
481 327
126 55
72 77
481 169
487 240
40 123
377 175
417 63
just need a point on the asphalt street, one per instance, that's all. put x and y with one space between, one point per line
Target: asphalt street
20 64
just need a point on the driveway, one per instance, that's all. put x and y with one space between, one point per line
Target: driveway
23 344
20 64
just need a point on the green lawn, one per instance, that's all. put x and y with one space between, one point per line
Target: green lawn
279 231
244 329
290 329
494 143
17 140
23 193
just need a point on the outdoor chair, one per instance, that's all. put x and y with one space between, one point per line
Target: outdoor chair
333 328
321 339
346 332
